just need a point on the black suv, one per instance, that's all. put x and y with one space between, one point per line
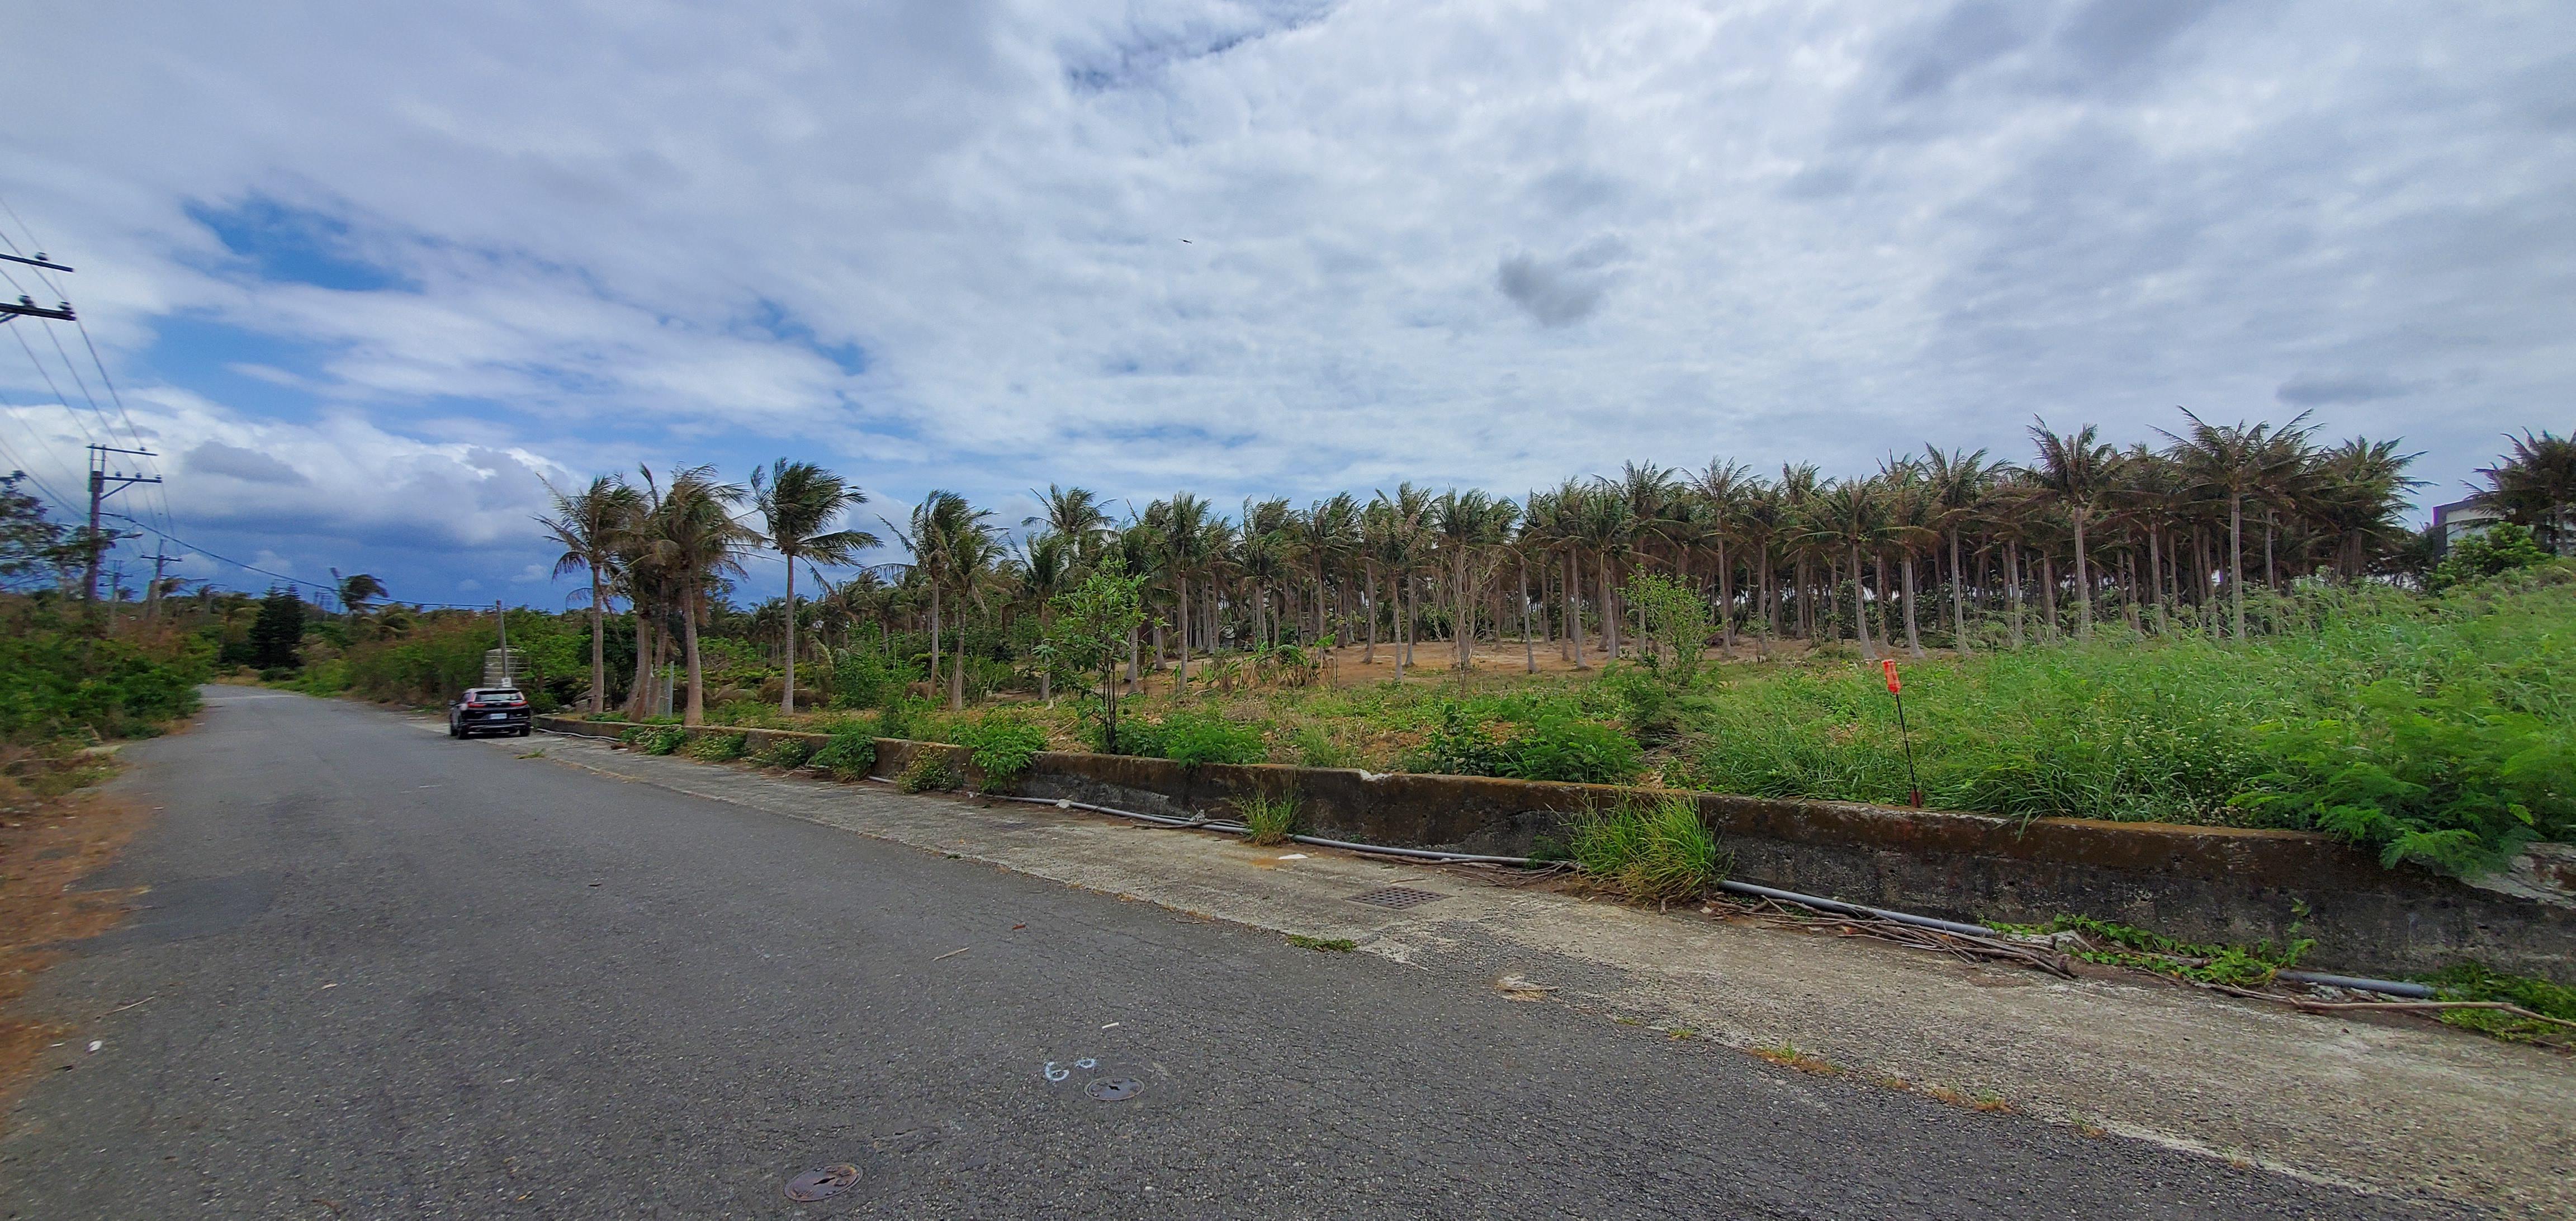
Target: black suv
488 710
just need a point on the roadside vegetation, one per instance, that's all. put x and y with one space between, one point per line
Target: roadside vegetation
2233 627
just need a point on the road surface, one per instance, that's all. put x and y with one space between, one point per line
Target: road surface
393 975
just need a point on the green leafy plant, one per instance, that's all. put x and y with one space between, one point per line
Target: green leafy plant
1573 750
1457 744
1654 851
2471 981
930 771
1272 819
788 753
655 739
848 755
717 747
1003 747
2500 548
1316 747
1192 739
2120 945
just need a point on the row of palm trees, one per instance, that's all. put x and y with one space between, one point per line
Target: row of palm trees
2167 538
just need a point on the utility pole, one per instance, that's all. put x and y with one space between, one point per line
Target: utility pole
152 596
99 491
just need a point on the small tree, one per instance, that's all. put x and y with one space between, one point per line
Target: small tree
2499 548
1088 639
278 633
1675 620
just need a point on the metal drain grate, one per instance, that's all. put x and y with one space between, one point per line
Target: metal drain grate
1398 897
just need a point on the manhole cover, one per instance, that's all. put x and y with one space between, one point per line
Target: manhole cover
1397 896
822 1184
1113 1089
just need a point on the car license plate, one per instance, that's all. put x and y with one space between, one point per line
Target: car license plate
496 716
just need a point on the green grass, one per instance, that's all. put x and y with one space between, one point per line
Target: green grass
1272 819
1656 851
2119 945
1336 945
716 747
2433 730
930 771
2469 981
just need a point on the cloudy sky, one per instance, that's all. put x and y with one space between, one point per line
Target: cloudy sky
362 274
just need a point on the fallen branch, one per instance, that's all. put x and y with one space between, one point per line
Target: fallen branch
2504 1006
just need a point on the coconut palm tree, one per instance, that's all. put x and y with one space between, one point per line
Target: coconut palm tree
2536 487
1325 537
1724 489
1075 515
590 525
2077 474
2232 462
1851 515
1956 485
1466 530
801 504
1181 529
693 537
953 549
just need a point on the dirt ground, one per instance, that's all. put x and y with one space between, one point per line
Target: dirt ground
47 844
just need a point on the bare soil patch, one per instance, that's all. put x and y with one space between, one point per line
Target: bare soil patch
48 844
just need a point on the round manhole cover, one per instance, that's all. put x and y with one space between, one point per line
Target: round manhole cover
1113 1089
824 1183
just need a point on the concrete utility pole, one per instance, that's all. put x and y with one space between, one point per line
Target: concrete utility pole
152 596
99 491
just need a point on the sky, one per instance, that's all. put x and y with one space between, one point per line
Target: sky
367 277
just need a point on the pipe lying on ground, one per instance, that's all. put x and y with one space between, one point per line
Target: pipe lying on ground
2389 987
2392 987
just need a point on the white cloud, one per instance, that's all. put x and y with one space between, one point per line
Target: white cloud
940 244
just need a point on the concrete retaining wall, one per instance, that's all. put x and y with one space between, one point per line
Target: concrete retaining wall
2200 883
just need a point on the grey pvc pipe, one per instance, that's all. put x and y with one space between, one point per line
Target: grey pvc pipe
2393 987
1855 909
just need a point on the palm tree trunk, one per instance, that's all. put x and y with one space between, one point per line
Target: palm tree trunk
697 713
787 698
2083 583
1958 600
1368 571
2012 566
1860 608
1529 647
1181 621
2236 559
1725 599
1609 613
2156 574
598 646
639 697
933 676
1913 639
1574 607
957 674
2048 593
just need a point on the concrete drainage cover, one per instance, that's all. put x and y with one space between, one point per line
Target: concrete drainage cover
1113 1089
1397 897
822 1184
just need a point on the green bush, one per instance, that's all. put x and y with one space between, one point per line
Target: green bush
654 739
848 755
930 771
1457 744
717 747
862 678
1656 851
1003 746
56 682
2470 981
1316 747
1572 750
788 753
2498 549
1193 738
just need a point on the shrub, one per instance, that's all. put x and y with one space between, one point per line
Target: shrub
1654 851
1191 739
1002 747
654 739
2499 548
717 747
2470 981
1457 745
1316 748
1272 819
1573 750
848 756
787 753
930 772
861 678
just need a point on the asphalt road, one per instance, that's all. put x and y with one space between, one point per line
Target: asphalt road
391 975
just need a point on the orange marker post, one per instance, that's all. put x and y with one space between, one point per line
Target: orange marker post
1896 688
